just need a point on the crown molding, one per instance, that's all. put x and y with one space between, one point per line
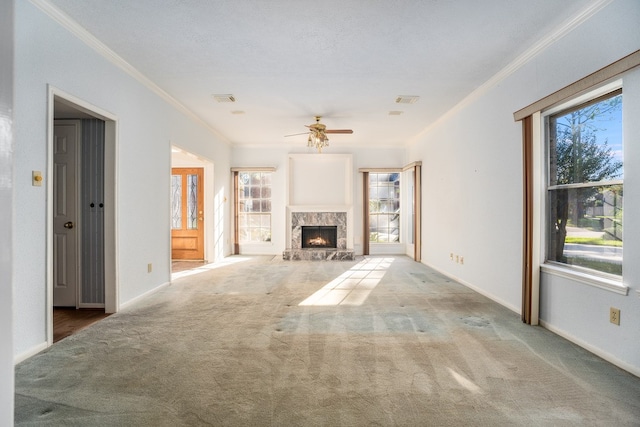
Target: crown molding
102 49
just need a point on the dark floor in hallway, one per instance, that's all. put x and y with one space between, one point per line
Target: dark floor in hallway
68 321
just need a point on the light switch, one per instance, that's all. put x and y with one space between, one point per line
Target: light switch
36 178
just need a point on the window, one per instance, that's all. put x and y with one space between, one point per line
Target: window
585 185
254 207
384 207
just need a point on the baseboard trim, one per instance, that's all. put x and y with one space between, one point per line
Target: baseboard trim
475 288
30 353
595 350
141 297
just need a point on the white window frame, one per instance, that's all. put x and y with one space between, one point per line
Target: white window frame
255 242
590 277
400 213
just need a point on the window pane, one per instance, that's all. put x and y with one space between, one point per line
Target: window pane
243 234
586 227
254 198
255 235
586 143
383 192
192 202
373 193
585 223
384 202
243 193
176 202
254 220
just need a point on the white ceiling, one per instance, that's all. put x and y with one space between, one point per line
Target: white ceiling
286 61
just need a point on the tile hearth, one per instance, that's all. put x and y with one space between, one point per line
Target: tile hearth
318 255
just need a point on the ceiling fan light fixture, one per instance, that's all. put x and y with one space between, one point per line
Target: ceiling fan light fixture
317 134
318 140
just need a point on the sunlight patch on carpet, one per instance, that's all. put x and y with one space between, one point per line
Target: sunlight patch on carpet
351 287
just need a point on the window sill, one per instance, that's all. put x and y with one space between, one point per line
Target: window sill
611 285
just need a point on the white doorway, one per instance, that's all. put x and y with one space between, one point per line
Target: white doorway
66 214
181 158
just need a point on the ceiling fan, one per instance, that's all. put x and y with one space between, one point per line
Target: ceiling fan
318 134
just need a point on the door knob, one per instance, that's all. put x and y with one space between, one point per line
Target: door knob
68 225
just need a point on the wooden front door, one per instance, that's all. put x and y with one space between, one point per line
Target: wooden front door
187 214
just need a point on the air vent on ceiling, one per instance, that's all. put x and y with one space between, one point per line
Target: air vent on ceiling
224 98
407 99
395 113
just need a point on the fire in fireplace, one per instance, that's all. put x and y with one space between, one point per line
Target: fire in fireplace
319 236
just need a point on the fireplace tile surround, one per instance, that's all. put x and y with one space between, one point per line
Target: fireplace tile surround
299 219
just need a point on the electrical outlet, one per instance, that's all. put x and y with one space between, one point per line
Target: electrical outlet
614 315
149 268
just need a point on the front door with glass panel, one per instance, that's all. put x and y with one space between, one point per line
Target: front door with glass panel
187 225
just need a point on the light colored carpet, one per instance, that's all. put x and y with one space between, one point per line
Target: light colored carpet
379 341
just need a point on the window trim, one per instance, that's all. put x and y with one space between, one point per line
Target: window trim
368 200
585 84
531 124
592 277
235 171
586 184
612 283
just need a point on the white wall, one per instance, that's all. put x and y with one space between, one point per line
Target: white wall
48 54
6 214
472 188
581 312
278 157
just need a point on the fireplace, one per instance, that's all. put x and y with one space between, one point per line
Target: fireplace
319 236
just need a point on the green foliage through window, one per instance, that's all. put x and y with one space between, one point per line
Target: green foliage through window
384 207
585 185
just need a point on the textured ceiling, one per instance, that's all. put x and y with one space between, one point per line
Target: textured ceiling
286 61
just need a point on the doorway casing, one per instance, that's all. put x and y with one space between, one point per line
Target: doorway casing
111 304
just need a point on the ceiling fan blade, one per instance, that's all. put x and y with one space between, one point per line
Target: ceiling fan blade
349 131
296 134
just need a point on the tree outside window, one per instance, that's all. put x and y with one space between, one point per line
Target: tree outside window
585 187
384 207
